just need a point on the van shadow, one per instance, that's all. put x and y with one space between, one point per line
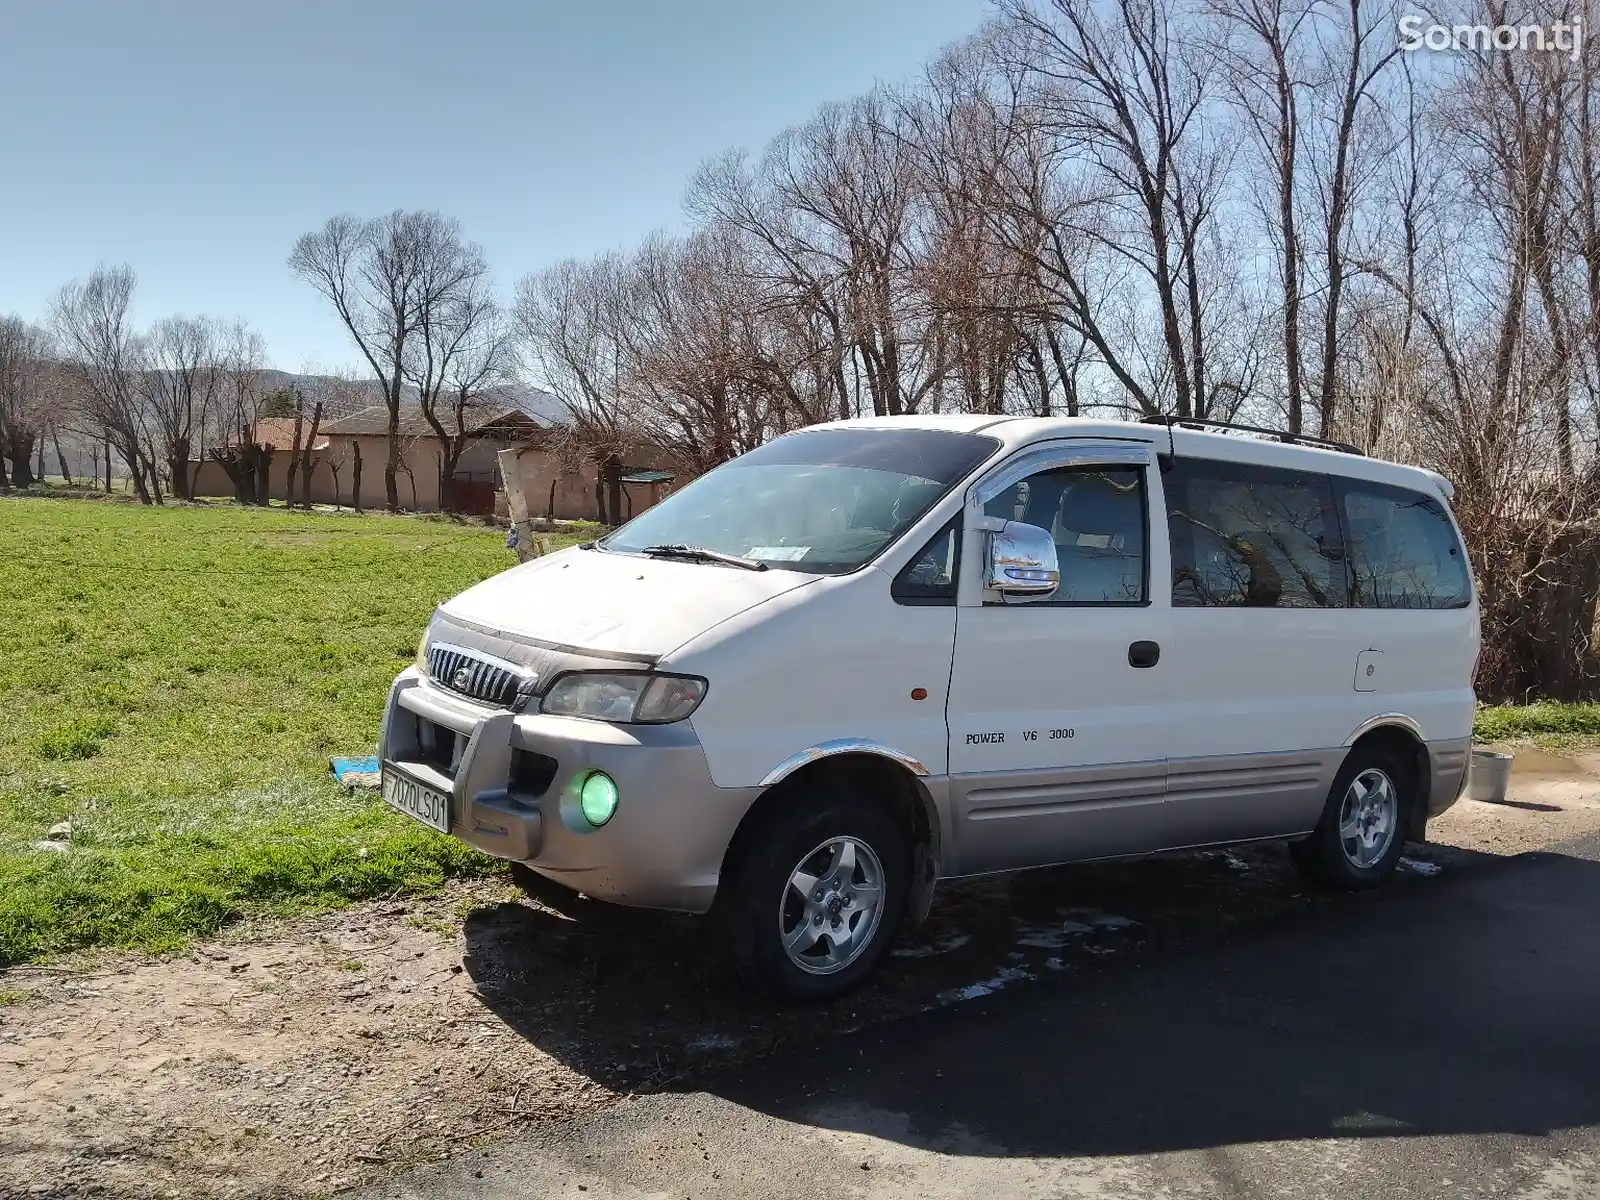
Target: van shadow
1177 1003
642 1000
1462 1006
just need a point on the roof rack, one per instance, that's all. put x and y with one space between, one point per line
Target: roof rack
1293 439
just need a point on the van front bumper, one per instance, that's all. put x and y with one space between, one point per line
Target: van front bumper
514 780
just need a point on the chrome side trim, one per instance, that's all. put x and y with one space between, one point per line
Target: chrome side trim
1038 792
1382 719
828 749
1043 458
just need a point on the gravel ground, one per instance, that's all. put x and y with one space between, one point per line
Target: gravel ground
310 1057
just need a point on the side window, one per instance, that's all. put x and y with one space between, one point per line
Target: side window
1097 517
1403 549
930 578
1253 537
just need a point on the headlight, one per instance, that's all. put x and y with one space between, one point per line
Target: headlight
422 652
628 697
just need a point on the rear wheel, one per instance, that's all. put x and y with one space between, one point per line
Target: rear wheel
1362 832
817 894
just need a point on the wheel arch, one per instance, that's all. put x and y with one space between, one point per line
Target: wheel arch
889 778
1401 734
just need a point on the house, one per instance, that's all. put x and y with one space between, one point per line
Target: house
364 435
555 484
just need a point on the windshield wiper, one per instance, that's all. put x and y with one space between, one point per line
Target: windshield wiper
701 554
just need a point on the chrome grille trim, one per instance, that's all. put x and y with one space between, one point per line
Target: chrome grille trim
478 676
537 660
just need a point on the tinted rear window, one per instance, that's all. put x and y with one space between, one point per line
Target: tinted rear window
1245 536
1403 549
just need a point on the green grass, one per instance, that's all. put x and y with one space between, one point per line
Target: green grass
1567 726
173 681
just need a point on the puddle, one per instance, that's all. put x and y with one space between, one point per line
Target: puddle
1415 866
929 949
1002 978
1096 920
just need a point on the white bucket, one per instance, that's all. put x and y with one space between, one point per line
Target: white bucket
1488 776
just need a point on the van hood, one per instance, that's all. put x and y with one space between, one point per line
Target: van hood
615 605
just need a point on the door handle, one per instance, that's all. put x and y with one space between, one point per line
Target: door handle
1144 654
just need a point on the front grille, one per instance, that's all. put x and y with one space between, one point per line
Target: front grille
436 746
472 675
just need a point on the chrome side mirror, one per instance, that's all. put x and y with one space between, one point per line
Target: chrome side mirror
1021 562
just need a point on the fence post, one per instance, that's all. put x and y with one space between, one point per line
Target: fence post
522 539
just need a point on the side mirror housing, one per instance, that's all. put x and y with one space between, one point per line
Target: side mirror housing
1021 562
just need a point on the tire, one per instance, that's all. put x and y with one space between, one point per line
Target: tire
840 940
1362 832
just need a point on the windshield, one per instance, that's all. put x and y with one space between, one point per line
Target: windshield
824 501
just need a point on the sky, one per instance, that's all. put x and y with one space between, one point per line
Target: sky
195 140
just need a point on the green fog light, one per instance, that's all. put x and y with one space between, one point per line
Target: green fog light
598 798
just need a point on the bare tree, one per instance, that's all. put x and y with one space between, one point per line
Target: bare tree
106 360
183 382
229 431
335 393
1009 345
1265 81
25 395
1358 53
1111 156
837 207
302 449
462 349
695 371
383 276
569 319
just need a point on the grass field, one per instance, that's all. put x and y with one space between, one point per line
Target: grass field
1555 726
173 681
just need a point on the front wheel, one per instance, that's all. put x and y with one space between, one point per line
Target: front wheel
817 894
1362 833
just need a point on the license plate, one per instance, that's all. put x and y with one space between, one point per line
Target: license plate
426 804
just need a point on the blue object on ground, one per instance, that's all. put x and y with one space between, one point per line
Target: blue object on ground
357 772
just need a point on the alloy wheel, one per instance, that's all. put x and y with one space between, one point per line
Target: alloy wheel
831 906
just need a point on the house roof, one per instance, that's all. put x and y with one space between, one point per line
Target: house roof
278 432
486 421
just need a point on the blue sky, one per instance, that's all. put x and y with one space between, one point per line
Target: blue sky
195 140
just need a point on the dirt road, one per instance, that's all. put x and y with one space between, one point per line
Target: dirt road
308 1058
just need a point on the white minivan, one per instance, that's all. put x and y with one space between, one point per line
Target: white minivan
878 653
